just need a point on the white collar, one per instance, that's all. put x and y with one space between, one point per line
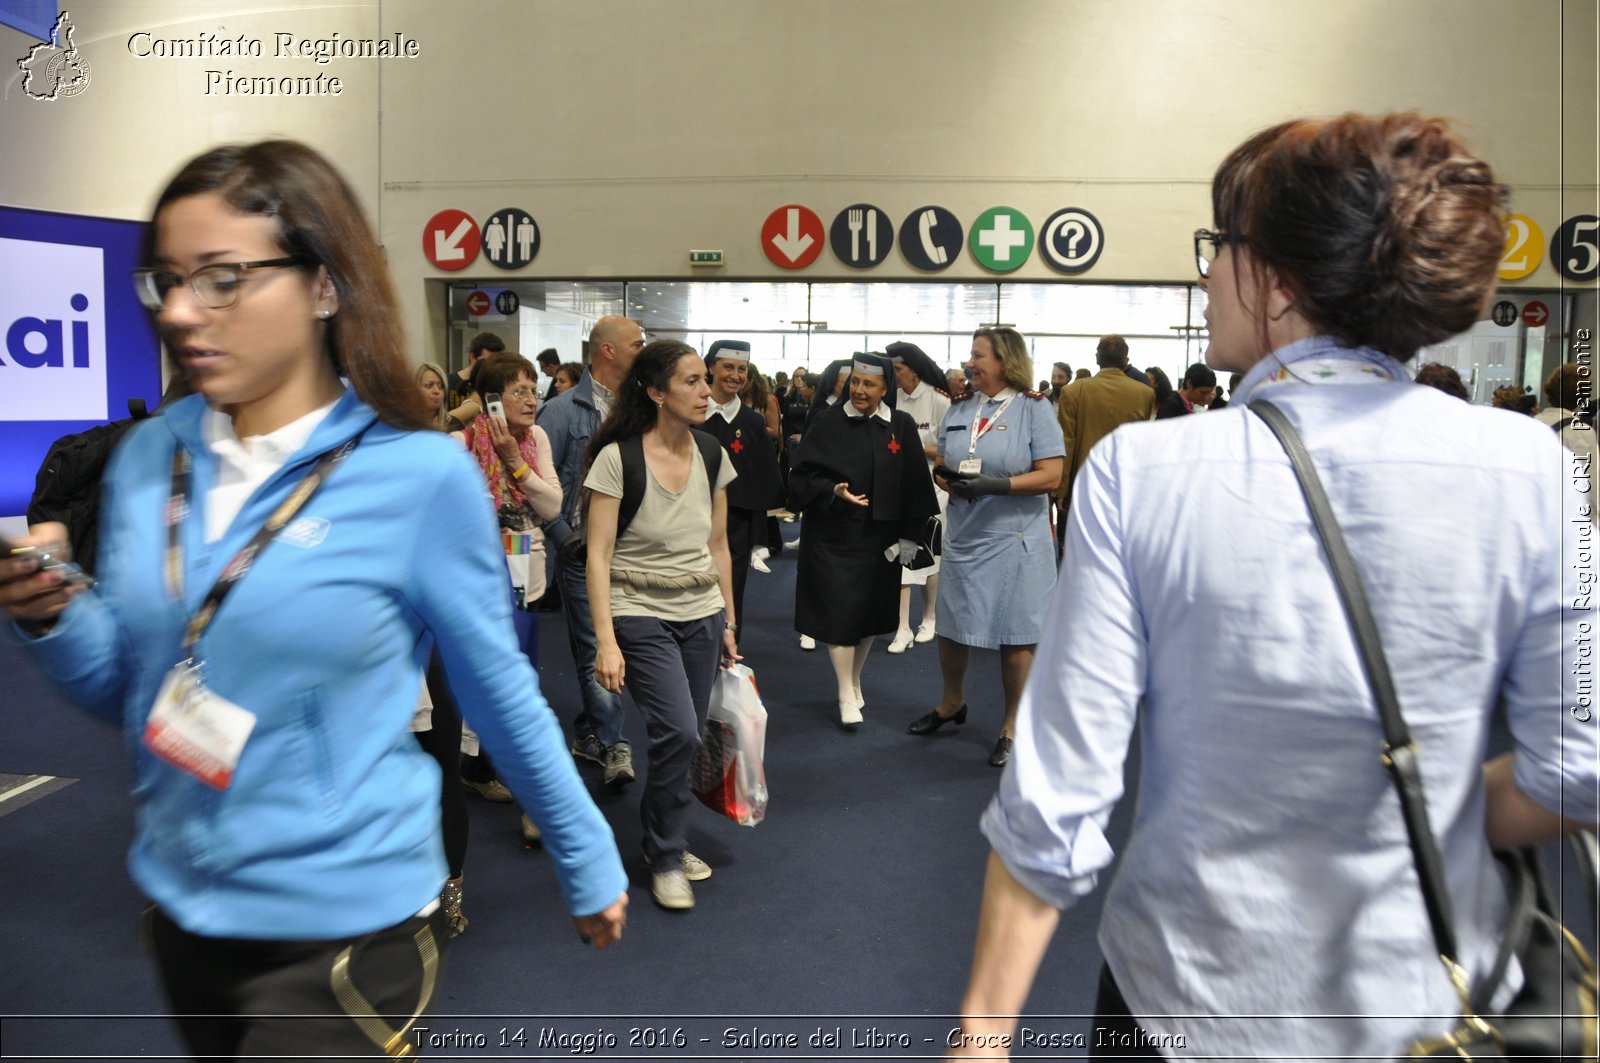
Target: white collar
729 409
1002 395
916 392
882 412
273 448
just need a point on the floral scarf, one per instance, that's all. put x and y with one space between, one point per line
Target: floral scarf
508 498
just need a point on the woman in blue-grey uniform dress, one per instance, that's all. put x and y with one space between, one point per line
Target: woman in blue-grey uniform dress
1001 452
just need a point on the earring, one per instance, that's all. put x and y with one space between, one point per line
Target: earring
324 313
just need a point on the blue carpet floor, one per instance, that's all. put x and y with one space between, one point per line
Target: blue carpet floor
854 902
844 921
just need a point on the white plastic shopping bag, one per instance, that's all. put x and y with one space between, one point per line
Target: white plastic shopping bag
728 777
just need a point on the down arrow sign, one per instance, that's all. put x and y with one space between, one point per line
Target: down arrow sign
792 236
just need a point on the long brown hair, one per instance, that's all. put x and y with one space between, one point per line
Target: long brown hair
319 220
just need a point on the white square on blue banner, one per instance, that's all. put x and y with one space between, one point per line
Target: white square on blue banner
53 350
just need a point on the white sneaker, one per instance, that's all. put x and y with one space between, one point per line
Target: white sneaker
694 868
807 642
671 890
759 563
901 643
926 632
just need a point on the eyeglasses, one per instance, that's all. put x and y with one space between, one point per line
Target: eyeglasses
522 394
216 286
1209 244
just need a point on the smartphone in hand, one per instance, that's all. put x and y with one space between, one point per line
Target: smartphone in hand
48 561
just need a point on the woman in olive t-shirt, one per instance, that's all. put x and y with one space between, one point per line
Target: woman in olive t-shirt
662 593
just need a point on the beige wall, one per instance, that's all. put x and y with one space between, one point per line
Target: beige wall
634 130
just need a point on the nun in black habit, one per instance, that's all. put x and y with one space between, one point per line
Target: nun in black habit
866 497
743 434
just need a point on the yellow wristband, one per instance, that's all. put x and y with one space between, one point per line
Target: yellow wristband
520 473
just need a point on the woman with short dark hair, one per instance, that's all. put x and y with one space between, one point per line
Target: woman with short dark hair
1268 872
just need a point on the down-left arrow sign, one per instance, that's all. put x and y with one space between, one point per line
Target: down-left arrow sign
451 240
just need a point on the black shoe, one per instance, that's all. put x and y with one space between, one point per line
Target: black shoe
1001 754
926 725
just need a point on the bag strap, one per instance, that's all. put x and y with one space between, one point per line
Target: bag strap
633 472
633 481
710 455
1561 424
1399 751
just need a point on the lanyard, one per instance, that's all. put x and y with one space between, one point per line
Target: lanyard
244 560
986 424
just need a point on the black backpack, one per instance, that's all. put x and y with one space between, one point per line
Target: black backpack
575 550
67 487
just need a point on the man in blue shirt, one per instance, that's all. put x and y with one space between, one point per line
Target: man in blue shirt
570 419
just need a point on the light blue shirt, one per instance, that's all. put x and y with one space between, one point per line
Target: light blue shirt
1026 431
1268 872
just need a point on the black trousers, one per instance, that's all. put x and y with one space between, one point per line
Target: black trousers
741 543
1115 1034
355 997
443 744
672 665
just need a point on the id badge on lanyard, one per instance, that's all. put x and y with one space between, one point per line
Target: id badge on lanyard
190 726
195 730
972 465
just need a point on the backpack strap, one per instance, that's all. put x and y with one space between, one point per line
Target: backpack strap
711 456
633 481
1561 424
633 472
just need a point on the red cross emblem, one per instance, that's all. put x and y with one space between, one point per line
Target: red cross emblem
736 446
894 445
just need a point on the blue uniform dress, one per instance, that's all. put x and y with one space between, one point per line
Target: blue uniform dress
998 566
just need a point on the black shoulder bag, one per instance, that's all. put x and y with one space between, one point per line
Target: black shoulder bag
1553 1016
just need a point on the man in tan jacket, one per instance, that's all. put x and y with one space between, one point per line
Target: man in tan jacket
1089 409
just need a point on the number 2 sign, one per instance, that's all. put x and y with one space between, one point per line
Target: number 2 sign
1575 248
1524 248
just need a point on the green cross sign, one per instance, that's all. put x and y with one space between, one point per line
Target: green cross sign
1001 239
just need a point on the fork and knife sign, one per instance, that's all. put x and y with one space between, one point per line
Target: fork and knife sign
858 225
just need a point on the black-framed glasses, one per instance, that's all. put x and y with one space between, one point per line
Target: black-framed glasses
216 286
1208 244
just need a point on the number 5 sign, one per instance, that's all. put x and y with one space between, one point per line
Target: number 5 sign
1575 248
1524 248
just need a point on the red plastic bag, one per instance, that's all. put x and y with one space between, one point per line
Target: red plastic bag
727 775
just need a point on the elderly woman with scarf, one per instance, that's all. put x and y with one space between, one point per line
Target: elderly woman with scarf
514 454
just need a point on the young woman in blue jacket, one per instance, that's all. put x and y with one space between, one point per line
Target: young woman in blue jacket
271 586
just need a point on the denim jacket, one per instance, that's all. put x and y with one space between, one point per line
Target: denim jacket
570 420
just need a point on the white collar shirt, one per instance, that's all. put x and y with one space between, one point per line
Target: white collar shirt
729 410
245 464
882 413
603 397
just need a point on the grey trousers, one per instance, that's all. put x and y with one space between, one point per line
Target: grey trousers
671 665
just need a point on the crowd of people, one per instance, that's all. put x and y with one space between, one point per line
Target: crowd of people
1132 563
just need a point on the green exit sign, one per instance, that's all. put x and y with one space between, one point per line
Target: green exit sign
705 258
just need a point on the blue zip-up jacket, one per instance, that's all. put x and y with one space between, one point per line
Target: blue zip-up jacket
331 825
570 420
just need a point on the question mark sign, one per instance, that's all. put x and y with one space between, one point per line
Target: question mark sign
1074 231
